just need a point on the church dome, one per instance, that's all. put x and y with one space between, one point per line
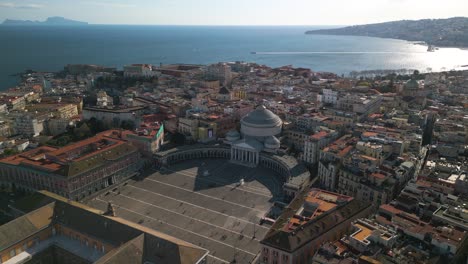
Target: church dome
261 117
232 135
272 142
261 123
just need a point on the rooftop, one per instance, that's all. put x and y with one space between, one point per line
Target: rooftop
367 228
75 158
317 202
289 240
342 146
130 242
320 135
262 117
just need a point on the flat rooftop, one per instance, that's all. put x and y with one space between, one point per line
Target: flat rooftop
316 203
363 233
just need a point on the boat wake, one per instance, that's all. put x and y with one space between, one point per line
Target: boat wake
328 52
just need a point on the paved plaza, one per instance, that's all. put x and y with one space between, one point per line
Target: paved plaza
209 209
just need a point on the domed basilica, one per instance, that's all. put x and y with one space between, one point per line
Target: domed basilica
259 129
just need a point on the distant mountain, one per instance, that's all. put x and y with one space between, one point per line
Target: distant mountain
451 32
50 21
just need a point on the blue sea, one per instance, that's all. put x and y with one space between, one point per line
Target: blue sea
46 48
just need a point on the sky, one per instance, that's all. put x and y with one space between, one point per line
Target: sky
233 12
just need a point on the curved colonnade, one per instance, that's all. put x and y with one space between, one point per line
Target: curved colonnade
180 155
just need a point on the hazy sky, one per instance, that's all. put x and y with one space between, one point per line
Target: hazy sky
233 12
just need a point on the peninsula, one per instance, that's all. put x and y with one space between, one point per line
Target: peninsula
451 32
50 21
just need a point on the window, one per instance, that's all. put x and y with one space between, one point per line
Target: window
12 253
25 246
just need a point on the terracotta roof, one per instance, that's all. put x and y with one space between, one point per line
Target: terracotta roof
389 208
75 158
378 175
369 134
319 135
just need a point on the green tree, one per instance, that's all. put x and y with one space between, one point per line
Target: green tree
178 138
127 124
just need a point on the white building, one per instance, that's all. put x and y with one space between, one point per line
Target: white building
114 117
139 70
103 100
359 103
329 96
3 108
219 71
368 232
28 125
315 143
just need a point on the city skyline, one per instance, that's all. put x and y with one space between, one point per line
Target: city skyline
243 12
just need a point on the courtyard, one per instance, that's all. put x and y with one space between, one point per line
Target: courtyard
202 202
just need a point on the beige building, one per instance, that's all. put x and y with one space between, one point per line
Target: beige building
56 126
313 218
376 188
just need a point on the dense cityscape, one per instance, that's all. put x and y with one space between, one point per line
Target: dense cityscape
233 163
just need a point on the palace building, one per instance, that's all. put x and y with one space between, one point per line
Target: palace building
63 231
73 171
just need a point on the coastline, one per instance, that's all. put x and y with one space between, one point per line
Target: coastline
157 44
415 42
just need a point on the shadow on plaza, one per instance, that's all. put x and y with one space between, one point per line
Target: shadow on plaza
219 172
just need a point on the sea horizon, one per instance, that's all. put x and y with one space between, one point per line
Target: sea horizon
50 48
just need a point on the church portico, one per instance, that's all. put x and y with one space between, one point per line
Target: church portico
246 152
